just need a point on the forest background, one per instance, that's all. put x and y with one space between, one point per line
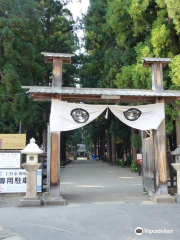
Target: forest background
117 34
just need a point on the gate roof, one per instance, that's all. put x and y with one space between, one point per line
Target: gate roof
100 94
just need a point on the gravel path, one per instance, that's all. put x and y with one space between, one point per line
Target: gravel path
89 181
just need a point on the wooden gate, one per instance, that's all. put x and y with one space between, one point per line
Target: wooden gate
148 165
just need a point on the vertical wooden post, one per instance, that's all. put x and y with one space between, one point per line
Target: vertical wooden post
48 157
159 135
55 165
56 136
57 73
142 137
177 131
157 77
44 135
160 158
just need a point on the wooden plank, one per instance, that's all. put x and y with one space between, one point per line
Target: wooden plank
48 157
148 167
161 136
71 97
55 158
160 158
157 77
57 73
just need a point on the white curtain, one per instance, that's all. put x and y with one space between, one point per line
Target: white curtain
150 118
62 120
68 116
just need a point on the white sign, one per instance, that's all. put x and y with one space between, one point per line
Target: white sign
10 160
139 156
14 181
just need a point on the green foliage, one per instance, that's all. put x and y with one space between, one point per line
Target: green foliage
171 115
136 141
134 166
119 33
173 8
34 27
175 70
137 11
120 162
160 40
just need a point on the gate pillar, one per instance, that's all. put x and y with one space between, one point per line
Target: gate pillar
160 159
57 59
160 162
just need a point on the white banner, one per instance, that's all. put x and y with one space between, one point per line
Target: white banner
143 117
68 116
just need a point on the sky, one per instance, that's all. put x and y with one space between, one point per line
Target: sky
77 7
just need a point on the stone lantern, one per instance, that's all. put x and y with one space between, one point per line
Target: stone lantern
176 166
31 166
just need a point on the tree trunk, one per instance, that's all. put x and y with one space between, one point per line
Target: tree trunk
103 148
63 146
109 160
113 149
133 150
95 147
99 155
47 79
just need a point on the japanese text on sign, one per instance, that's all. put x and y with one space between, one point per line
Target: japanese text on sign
15 181
10 160
12 141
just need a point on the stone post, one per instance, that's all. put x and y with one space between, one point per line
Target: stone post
176 166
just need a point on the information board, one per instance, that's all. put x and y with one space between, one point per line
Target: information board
10 160
14 181
12 141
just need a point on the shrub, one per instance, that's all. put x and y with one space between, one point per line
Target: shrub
134 166
120 162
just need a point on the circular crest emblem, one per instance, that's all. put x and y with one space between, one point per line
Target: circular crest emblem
80 115
132 114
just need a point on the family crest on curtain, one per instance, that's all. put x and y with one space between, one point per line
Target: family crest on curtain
68 116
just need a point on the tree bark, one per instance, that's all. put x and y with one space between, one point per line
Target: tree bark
133 150
109 160
103 148
95 147
99 155
113 149
63 146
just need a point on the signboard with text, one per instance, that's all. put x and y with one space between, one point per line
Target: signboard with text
10 159
139 158
12 141
14 181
